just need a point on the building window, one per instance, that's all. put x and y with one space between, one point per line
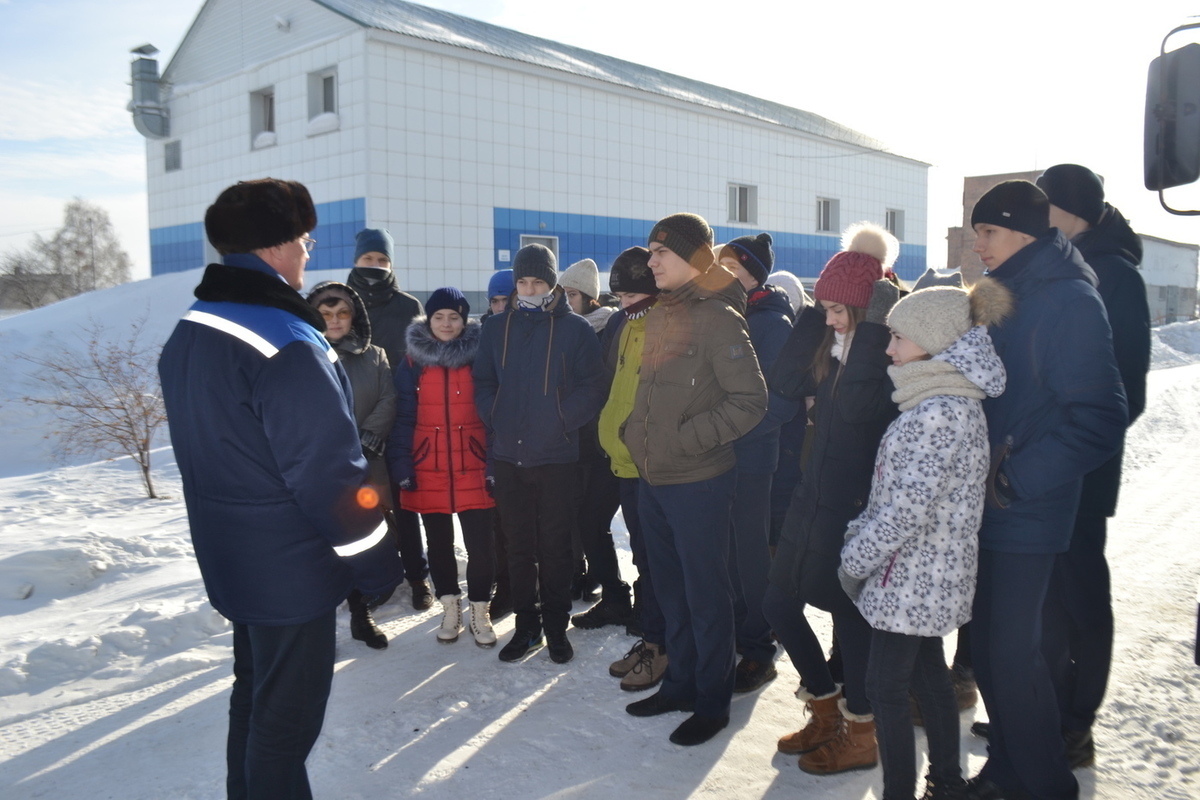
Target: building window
827 215
550 242
262 117
893 220
173 156
322 101
743 203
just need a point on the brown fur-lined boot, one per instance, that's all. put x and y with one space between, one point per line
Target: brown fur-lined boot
824 722
854 747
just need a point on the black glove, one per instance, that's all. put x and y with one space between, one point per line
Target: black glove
408 485
850 585
372 443
883 297
489 483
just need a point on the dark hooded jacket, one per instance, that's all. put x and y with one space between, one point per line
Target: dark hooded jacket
852 409
769 316
1064 411
259 411
365 363
438 440
538 379
391 310
700 386
1114 251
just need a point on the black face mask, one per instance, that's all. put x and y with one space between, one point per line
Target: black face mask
374 274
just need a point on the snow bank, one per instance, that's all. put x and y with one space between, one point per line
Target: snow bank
1175 345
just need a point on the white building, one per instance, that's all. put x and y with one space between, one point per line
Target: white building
467 141
1170 270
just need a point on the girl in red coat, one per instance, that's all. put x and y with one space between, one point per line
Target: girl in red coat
438 454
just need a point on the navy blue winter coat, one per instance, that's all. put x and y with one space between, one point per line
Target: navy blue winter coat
1063 412
769 317
1113 251
269 453
538 380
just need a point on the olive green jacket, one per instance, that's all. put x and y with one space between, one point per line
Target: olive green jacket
700 386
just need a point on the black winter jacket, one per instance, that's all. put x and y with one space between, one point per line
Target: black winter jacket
853 408
538 379
391 310
769 317
1063 413
1113 251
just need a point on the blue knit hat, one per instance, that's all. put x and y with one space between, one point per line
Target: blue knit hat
501 283
447 298
373 240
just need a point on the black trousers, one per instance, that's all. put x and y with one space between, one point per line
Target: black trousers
476 527
281 683
537 510
599 497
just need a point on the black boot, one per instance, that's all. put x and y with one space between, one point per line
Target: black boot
611 610
422 597
362 625
559 647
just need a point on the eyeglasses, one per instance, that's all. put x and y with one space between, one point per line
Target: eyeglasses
342 315
308 243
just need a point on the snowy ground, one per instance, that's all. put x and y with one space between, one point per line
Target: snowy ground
115 670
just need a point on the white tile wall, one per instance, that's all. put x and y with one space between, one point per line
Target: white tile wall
434 138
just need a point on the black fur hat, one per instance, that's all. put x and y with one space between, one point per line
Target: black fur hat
255 215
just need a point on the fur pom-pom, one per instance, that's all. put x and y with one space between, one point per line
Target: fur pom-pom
872 239
991 302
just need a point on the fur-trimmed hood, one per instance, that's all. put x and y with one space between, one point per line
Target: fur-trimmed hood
359 338
426 350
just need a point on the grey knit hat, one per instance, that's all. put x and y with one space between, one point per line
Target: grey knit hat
535 261
583 276
932 318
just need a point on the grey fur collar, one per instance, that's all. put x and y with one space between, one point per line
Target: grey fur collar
426 350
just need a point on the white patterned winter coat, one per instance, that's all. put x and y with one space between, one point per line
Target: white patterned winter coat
917 544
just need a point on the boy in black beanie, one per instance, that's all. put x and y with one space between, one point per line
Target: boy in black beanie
538 378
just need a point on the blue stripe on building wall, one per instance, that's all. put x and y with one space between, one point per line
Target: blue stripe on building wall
602 239
181 247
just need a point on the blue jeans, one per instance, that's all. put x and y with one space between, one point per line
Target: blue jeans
281 683
1025 744
687 538
898 663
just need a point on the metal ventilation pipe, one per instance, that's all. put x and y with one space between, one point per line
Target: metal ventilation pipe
150 116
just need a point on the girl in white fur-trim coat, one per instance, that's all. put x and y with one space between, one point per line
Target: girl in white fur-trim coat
909 560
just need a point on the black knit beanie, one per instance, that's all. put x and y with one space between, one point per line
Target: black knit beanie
754 253
535 261
448 297
1075 189
631 273
1016 205
683 234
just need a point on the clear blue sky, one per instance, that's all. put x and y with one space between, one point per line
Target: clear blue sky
971 88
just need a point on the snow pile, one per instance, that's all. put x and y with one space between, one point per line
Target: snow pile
113 665
1175 345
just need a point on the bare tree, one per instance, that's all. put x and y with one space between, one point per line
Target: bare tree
85 252
25 283
107 398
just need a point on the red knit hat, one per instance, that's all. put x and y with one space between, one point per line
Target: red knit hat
849 277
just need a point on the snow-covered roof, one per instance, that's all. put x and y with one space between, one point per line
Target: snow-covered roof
441 26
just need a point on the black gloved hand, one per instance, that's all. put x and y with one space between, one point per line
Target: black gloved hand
489 483
408 485
372 443
883 296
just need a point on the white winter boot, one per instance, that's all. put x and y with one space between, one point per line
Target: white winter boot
451 625
481 624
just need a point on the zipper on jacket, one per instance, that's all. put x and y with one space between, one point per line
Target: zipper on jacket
449 441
